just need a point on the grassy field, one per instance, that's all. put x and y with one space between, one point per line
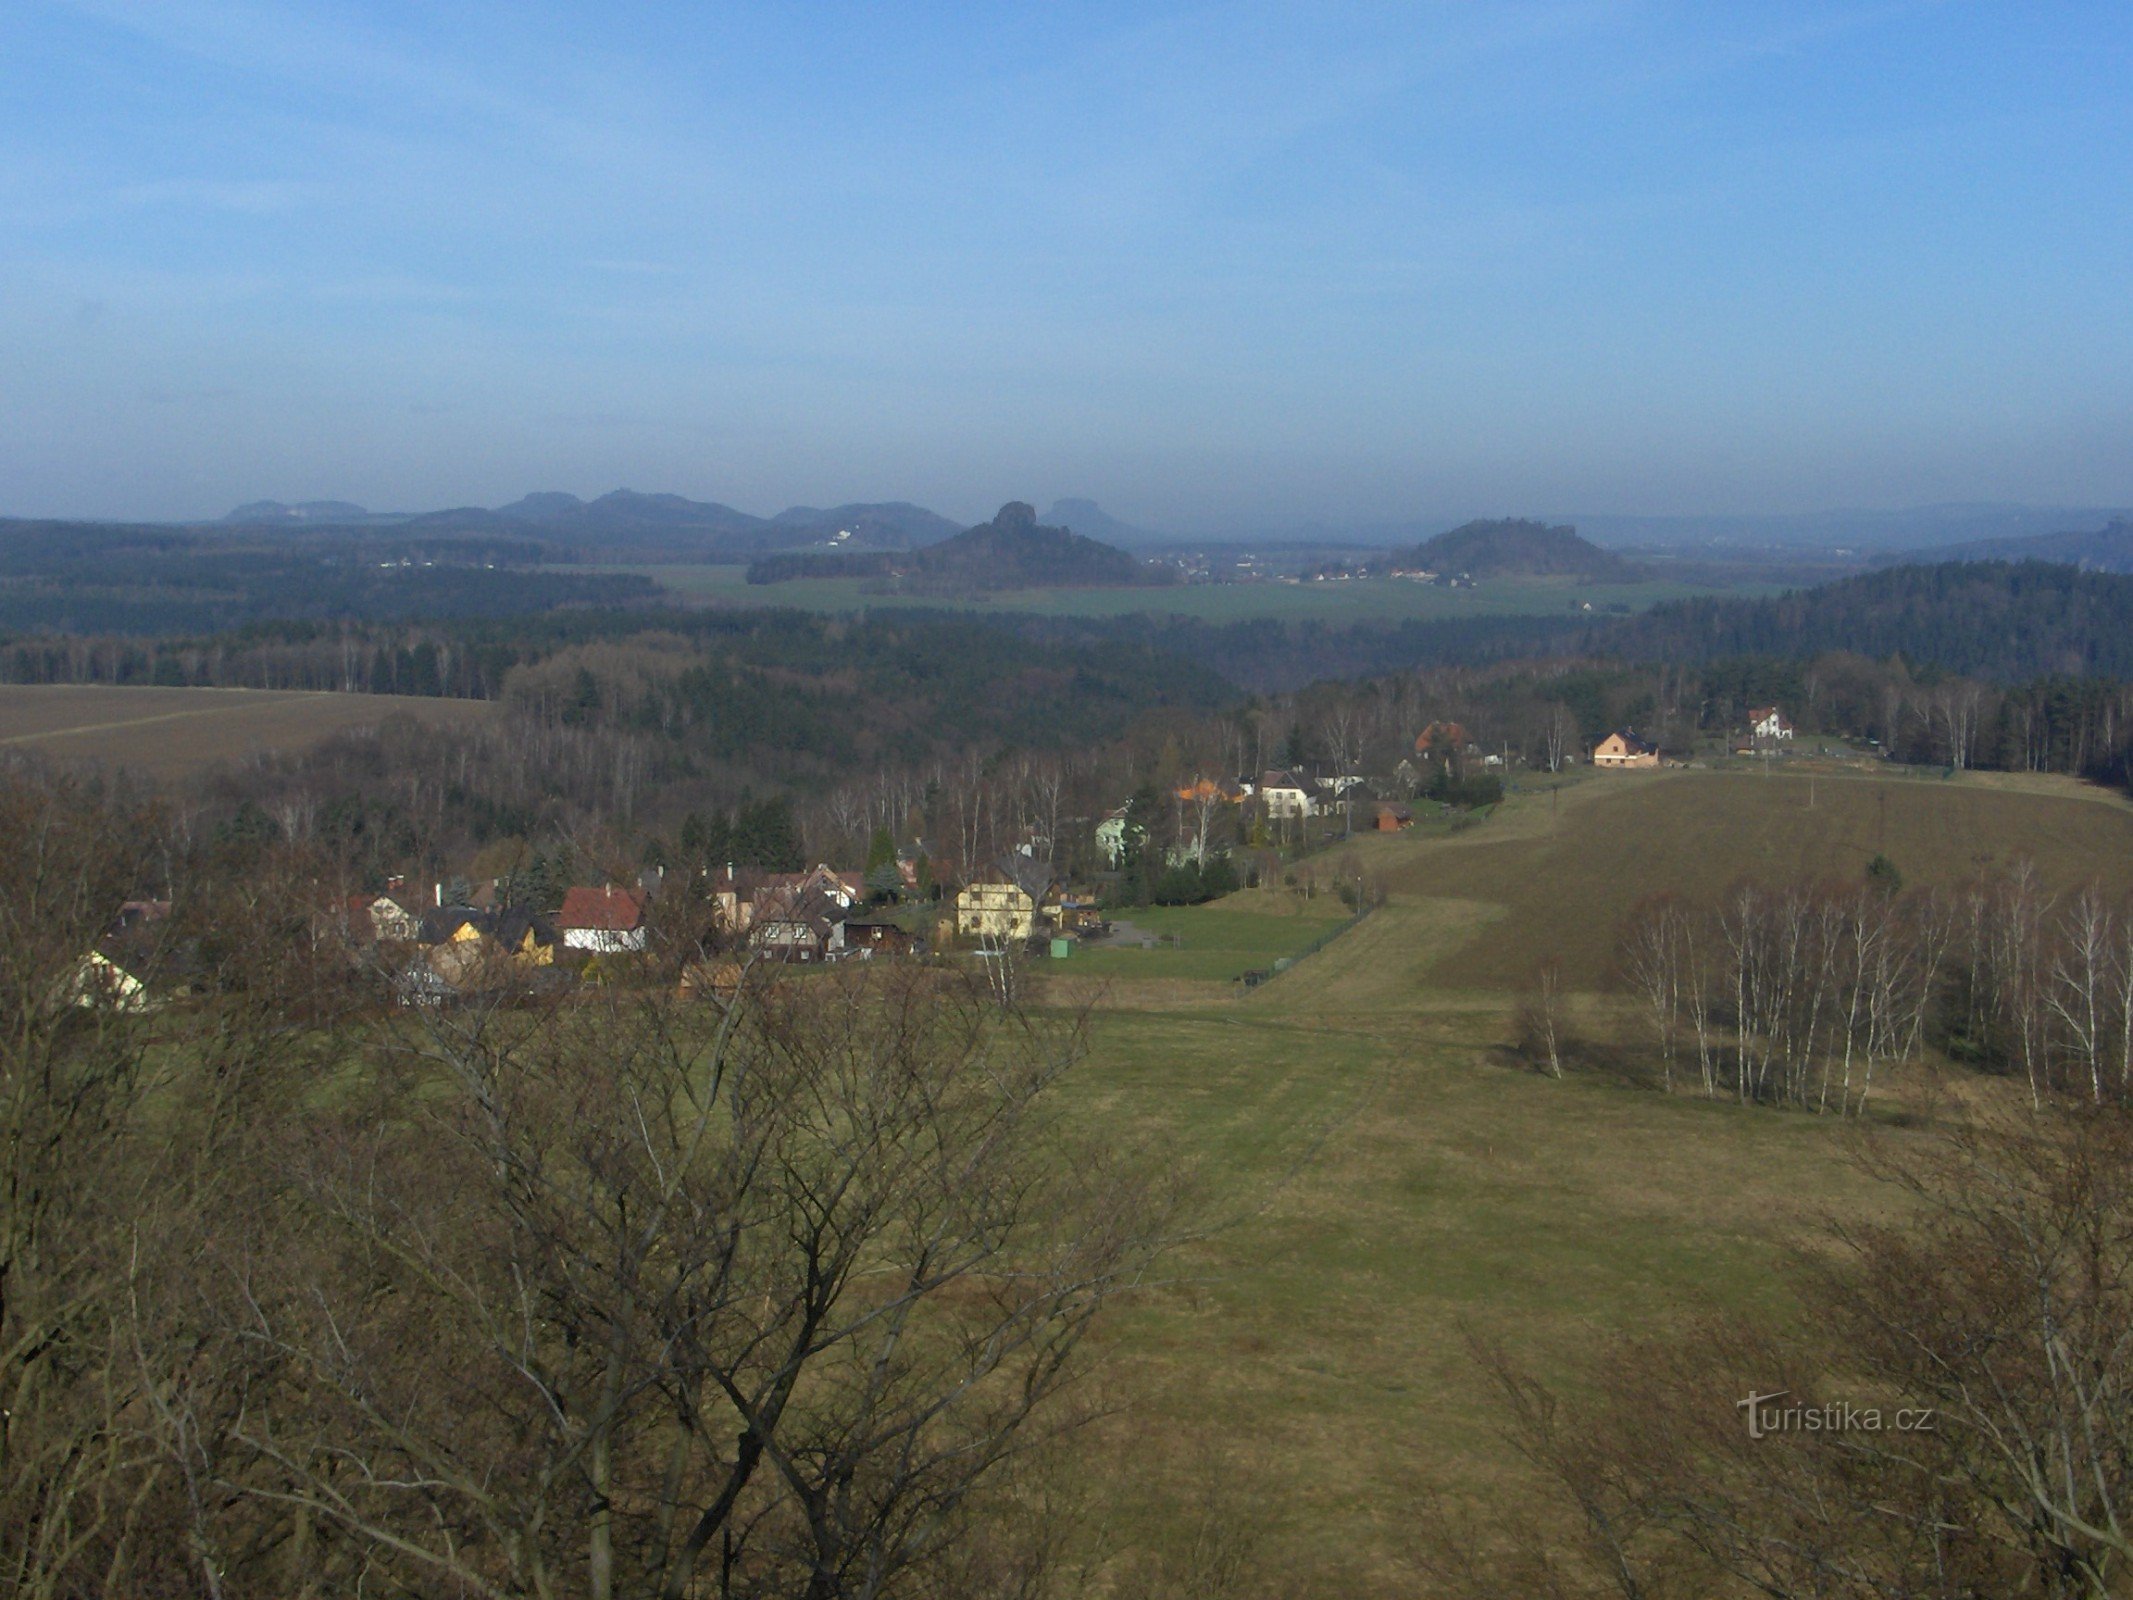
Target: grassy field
1378 1175
1360 600
175 733
1215 943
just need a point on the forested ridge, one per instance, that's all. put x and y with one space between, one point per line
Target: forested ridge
149 581
1994 619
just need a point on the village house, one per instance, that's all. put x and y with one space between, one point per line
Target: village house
1111 837
1441 741
869 936
810 929
474 949
1392 817
1006 900
1768 722
456 948
1622 749
603 921
383 919
1286 795
101 984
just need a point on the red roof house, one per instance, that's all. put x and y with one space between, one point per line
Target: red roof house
602 920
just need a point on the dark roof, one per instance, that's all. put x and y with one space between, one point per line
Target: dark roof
1033 877
441 922
513 923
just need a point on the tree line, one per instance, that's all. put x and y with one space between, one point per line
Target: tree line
1800 994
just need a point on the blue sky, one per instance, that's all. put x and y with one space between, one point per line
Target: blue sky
1213 266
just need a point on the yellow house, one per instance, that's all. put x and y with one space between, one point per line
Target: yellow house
464 955
1624 749
996 911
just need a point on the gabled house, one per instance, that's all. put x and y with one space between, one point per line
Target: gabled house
604 921
1391 817
1006 901
1768 722
459 949
810 927
1623 748
1286 794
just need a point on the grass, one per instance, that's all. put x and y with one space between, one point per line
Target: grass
1358 600
1376 1175
1218 942
1564 881
177 733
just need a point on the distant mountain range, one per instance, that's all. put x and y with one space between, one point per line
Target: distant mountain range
1912 528
2108 549
341 513
669 524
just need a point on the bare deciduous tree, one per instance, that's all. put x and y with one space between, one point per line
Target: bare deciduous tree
624 1297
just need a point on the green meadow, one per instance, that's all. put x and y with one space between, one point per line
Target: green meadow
1376 1174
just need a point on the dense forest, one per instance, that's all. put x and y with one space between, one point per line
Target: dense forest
67 578
1994 619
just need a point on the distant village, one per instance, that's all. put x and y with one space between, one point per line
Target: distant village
453 939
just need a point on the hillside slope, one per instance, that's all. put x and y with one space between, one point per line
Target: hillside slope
1617 838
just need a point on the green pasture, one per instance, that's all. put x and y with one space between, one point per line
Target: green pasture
1214 942
1375 1173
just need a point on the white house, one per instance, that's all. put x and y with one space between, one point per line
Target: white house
1286 795
1111 836
1767 722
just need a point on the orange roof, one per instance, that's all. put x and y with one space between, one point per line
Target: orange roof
608 910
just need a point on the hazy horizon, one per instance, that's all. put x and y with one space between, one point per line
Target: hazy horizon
1203 266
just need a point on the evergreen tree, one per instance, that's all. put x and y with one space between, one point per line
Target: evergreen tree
881 851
